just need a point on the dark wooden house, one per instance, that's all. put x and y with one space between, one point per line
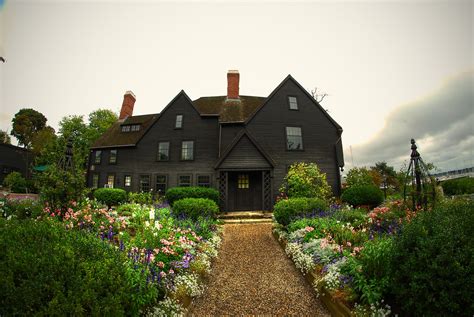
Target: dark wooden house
14 159
241 145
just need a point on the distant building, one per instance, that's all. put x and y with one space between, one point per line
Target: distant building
240 145
13 159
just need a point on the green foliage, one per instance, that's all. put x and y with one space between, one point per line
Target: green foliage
305 180
4 137
356 217
43 140
458 186
26 123
100 121
287 210
110 196
177 193
48 270
140 198
433 262
203 226
22 209
371 270
16 182
194 208
359 176
359 195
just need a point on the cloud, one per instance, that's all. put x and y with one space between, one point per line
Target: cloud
441 123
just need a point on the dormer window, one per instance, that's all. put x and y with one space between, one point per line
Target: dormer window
135 127
131 128
293 103
125 128
179 121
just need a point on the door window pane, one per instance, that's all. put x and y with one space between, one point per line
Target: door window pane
243 181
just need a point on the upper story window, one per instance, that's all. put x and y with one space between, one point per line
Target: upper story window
135 127
293 103
97 157
163 151
131 128
294 139
187 150
113 157
125 128
179 121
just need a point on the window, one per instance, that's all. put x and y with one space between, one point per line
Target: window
98 157
135 127
187 150
184 180
127 181
110 181
145 183
95 180
294 140
293 103
204 180
161 184
179 121
125 128
113 157
243 181
163 151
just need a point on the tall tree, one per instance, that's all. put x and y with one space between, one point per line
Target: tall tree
42 139
26 123
4 137
387 175
99 121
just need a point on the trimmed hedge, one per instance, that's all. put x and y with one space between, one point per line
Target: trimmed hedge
458 186
193 208
177 193
288 210
110 196
359 195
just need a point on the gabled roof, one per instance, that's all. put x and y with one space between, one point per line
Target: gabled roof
114 137
228 111
241 135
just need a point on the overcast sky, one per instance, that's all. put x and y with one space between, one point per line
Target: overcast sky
393 70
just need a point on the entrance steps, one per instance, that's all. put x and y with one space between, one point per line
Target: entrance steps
236 217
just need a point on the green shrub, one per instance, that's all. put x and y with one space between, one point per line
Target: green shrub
433 262
288 210
305 180
458 186
359 176
359 195
47 270
110 196
355 217
22 209
204 227
177 193
194 208
15 182
140 198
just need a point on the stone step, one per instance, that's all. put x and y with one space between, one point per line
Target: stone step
246 221
246 215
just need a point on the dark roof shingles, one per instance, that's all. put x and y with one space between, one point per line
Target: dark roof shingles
229 110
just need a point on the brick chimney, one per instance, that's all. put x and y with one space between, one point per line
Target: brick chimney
233 84
127 105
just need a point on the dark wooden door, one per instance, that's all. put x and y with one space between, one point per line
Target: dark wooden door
245 191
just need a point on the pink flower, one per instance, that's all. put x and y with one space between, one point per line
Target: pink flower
171 271
162 274
160 264
349 243
309 229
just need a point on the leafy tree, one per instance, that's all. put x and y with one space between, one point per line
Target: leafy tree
99 121
387 176
42 139
306 180
26 123
4 137
359 176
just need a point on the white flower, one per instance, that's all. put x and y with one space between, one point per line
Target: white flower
152 214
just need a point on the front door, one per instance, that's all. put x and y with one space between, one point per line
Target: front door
245 191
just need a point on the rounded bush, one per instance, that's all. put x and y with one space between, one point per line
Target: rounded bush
48 270
285 211
110 196
458 186
16 182
433 262
359 195
193 208
177 193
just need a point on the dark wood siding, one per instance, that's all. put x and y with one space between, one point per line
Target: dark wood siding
244 155
319 134
228 134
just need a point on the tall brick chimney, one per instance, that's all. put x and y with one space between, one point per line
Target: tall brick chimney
127 105
233 84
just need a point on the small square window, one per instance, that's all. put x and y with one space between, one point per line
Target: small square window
127 181
204 180
161 184
135 127
144 183
110 181
294 139
125 128
243 181
113 157
184 180
163 151
293 103
95 180
187 150
97 157
179 121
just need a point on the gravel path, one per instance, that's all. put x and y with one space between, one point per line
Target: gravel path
253 276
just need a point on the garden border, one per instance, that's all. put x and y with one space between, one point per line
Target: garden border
335 306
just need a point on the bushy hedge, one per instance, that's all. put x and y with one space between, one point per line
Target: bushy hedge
16 182
194 208
287 210
433 262
48 270
110 196
21 209
458 186
140 198
359 195
177 193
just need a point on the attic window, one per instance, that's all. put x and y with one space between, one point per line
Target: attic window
293 103
131 128
179 121
135 127
125 128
